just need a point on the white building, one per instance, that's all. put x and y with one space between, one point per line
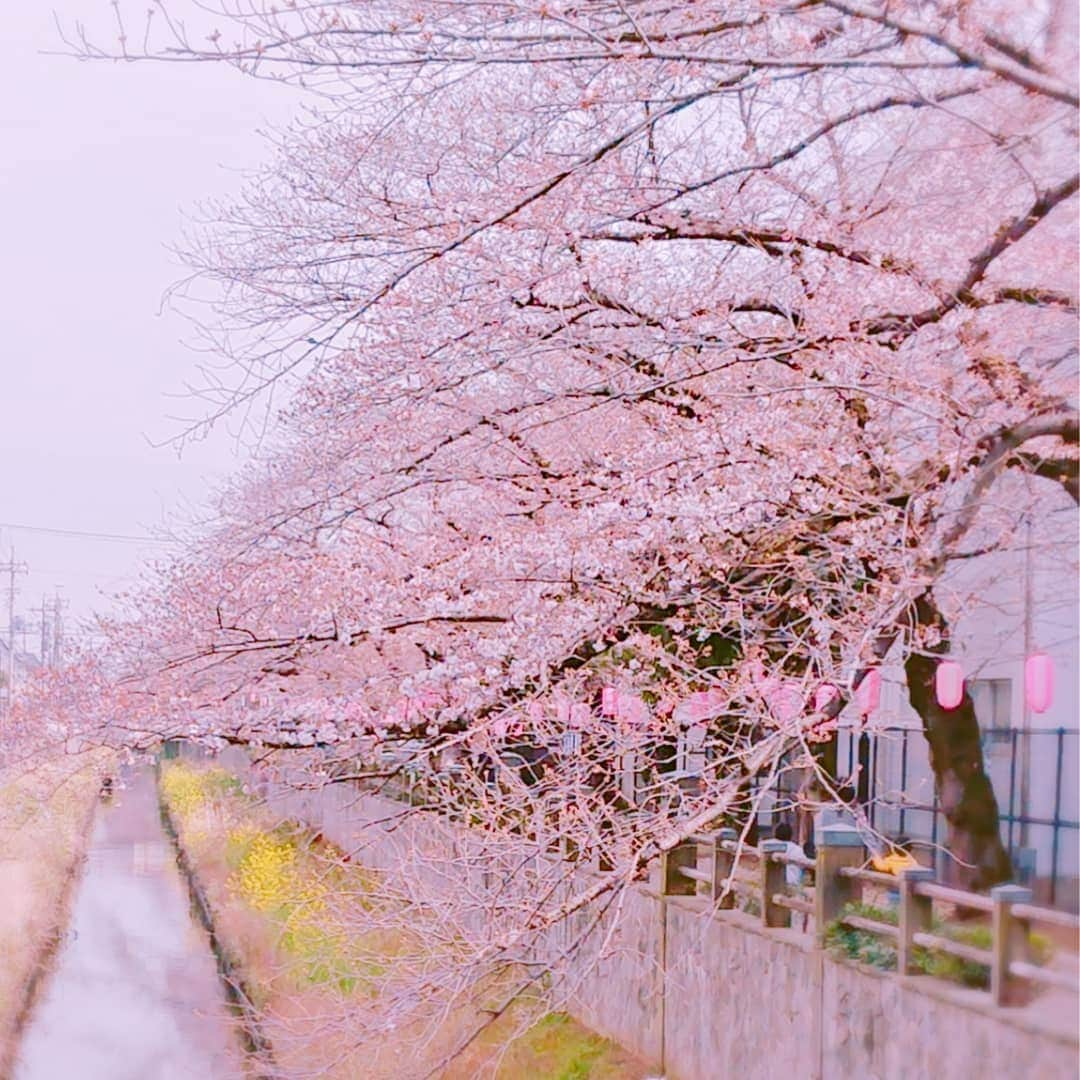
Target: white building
1016 601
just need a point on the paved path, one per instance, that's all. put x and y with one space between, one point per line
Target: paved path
135 993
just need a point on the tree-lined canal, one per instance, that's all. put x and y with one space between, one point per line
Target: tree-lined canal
134 994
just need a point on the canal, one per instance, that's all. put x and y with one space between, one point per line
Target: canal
134 994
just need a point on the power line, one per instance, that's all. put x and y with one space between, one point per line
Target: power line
116 538
52 571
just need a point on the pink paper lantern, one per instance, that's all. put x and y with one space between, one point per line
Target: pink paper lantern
609 701
868 695
949 684
694 708
1039 682
701 706
824 696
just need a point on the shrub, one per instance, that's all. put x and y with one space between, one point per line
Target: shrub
266 878
861 945
868 948
183 788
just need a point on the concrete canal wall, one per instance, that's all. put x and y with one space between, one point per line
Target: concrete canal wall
705 994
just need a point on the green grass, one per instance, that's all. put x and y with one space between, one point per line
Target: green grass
879 952
575 1049
296 890
557 1047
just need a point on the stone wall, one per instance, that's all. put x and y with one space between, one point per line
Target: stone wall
745 1002
740 1001
704 994
621 994
878 1026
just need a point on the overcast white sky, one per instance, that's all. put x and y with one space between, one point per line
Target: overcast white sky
99 162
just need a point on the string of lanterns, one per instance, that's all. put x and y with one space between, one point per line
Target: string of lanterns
1038 683
949 686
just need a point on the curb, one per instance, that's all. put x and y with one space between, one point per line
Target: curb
255 1041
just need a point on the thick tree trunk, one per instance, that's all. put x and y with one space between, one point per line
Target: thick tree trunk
964 791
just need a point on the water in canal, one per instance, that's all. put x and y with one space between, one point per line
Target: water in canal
134 994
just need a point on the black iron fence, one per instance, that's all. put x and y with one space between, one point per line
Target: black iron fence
1035 775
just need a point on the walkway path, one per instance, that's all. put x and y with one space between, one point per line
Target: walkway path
135 993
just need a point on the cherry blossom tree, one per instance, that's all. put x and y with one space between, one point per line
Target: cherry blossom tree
681 350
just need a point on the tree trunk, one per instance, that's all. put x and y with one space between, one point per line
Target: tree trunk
964 791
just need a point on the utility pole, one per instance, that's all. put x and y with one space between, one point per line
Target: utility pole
11 568
44 634
58 630
1025 730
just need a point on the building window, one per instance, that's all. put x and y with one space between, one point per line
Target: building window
992 699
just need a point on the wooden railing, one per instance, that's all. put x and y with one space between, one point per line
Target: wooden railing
683 874
706 864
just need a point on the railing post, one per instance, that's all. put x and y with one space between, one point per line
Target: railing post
772 882
672 883
838 846
1011 940
916 916
723 867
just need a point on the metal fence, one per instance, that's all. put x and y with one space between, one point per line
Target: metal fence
1039 817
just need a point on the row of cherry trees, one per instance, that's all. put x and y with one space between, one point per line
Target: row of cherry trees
683 349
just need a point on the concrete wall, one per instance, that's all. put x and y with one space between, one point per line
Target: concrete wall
749 1003
621 993
740 1002
704 995
879 1027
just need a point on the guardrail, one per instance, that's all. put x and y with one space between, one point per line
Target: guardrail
840 877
